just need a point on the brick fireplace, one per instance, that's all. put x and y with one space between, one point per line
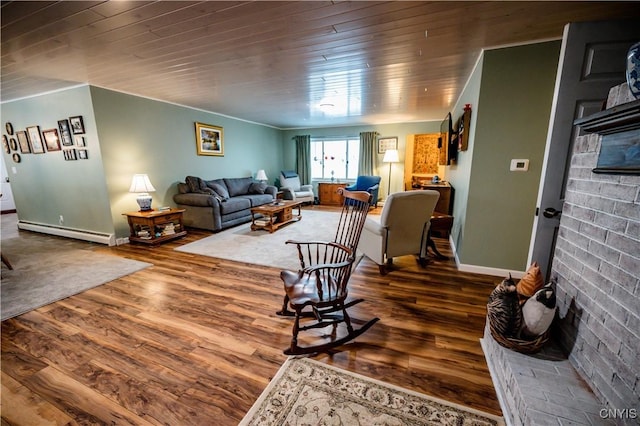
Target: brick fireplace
590 373
597 262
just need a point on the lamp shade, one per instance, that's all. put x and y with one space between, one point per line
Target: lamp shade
391 156
140 184
261 175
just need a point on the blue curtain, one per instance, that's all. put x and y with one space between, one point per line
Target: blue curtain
368 152
303 158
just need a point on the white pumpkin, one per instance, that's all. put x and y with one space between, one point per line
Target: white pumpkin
538 312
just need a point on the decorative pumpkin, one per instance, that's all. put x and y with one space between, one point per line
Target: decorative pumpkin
538 312
503 309
530 283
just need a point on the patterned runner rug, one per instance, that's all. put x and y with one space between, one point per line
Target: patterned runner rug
305 392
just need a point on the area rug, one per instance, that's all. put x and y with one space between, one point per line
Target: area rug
264 248
307 392
47 269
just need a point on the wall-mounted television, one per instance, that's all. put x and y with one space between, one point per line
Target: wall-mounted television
448 143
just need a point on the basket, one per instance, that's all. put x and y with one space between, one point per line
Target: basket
520 345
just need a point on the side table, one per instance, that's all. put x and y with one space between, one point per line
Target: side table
155 227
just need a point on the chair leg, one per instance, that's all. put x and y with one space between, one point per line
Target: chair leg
285 312
296 329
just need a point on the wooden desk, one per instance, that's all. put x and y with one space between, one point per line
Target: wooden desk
155 227
445 202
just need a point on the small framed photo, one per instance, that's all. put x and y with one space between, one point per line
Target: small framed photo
385 144
65 132
83 154
35 139
80 141
23 141
51 139
70 154
209 139
9 128
5 144
77 125
16 157
13 144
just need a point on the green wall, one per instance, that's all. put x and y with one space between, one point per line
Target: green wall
459 173
138 135
513 109
45 186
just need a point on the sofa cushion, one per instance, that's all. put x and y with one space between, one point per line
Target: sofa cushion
257 188
197 185
235 204
258 199
238 186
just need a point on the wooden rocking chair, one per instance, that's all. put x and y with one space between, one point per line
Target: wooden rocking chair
318 291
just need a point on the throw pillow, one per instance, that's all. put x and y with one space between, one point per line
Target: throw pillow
219 189
503 309
530 283
257 188
538 312
194 183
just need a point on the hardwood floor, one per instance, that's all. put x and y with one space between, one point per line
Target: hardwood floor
194 340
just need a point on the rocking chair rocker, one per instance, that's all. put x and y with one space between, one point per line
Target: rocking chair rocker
318 291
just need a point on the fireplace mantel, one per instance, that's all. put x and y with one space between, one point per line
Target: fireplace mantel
618 119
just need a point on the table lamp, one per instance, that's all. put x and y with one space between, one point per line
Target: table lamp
261 176
141 185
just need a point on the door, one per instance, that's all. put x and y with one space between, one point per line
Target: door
592 60
6 201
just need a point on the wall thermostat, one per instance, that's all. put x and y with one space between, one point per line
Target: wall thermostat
519 165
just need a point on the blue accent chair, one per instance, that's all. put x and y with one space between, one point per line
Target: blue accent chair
371 184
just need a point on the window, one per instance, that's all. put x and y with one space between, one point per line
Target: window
334 158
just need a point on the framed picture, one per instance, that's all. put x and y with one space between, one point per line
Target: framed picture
619 154
23 141
69 154
51 139
16 157
80 141
9 128
5 144
65 132
13 144
209 139
35 139
83 154
77 125
385 144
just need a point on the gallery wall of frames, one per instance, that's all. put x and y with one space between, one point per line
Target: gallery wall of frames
67 139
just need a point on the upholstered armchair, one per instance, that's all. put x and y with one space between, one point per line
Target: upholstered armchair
401 228
371 184
292 189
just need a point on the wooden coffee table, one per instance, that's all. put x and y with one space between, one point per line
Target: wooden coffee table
275 215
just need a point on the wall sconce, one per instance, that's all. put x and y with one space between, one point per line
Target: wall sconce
141 185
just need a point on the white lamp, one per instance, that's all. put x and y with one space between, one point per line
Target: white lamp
390 156
261 176
141 185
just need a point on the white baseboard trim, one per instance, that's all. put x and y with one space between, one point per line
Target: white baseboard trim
484 270
78 234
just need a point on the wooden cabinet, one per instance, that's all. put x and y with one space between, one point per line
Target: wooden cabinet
328 193
155 227
445 201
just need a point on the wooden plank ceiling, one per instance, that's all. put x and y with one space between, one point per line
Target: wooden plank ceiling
285 64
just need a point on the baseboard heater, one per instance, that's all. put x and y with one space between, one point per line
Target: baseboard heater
79 234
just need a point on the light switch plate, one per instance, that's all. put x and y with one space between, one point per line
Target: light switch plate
519 165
